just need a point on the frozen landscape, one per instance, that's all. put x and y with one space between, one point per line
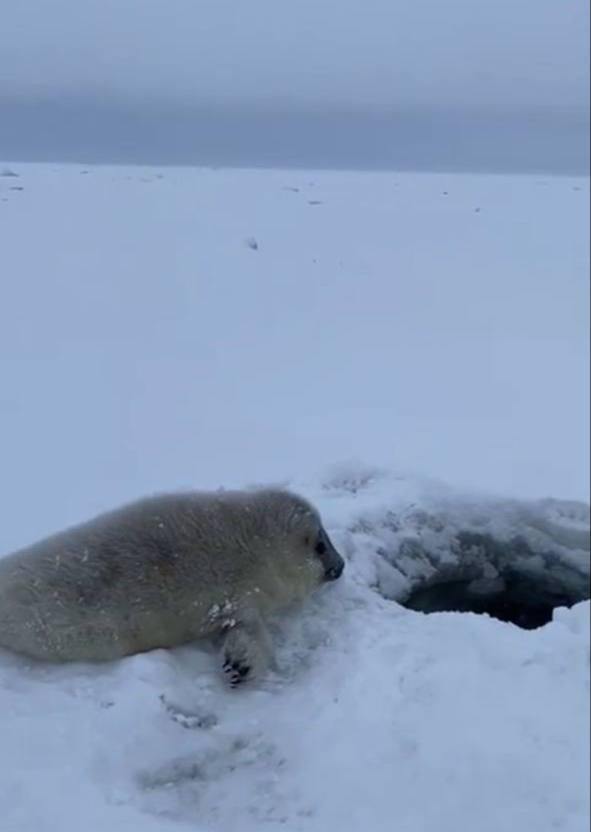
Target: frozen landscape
191 328
167 328
377 717
341 248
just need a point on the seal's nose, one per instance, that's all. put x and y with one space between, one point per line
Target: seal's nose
329 557
334 572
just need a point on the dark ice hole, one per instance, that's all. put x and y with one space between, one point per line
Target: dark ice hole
523 601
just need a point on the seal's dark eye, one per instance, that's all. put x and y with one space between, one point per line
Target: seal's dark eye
320 548
307 540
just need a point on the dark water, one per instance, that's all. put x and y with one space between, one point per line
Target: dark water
520 601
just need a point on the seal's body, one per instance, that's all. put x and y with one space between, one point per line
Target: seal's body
165 571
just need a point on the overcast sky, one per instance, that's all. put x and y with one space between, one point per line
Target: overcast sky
497 59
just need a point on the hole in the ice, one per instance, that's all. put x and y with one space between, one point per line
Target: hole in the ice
521 600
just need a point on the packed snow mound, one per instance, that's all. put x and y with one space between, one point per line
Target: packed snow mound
377 717
434 536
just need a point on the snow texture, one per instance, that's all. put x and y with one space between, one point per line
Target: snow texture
436 323
376 717
428 323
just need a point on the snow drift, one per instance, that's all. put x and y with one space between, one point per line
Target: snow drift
377 715
191 328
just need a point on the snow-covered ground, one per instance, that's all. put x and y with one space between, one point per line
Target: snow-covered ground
172 328
432 323
377 717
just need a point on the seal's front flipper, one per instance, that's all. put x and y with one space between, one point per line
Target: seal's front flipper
246 652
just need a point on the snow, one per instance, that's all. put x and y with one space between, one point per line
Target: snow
425 323
144 346
376 716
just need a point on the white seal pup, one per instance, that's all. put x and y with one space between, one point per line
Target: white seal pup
165 571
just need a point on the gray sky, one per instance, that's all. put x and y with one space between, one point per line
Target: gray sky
496 60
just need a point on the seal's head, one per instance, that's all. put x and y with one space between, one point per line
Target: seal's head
302 550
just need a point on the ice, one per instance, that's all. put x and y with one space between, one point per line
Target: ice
375 715
144 347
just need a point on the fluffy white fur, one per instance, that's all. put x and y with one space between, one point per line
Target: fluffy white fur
164 571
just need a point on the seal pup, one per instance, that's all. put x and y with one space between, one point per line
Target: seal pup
164 571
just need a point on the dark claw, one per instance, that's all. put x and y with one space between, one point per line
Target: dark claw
237 671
